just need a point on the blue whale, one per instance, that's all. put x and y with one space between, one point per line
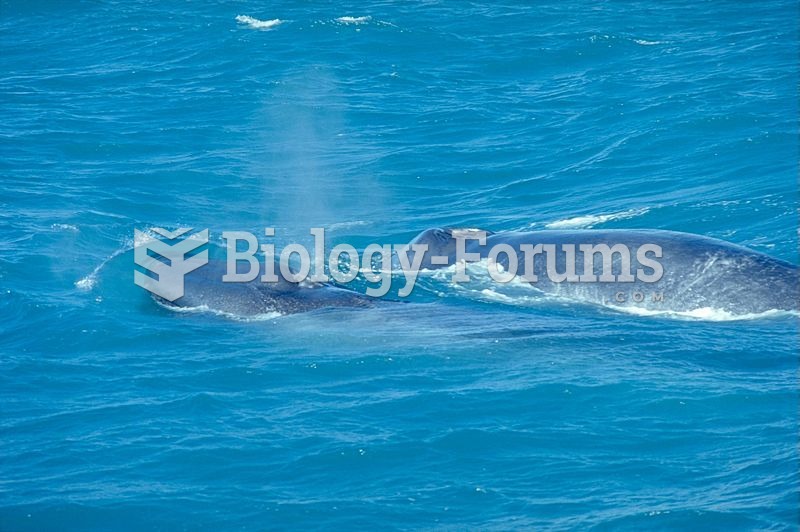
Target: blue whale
698 272
204 289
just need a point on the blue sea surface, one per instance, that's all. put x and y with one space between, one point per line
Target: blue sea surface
463 409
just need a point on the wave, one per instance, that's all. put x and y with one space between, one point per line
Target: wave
591 220
65 227
205 309
353 20
258 24
617 38
706 313
347 225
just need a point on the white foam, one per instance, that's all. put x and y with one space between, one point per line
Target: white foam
142 237
591 220
705 313
88 282
643 42
205 309
353 20
258 24
347 225
497 296
482 285
520 298
64 227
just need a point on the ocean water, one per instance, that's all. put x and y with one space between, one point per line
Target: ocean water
466 408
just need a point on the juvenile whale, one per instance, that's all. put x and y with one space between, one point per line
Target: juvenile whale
698 272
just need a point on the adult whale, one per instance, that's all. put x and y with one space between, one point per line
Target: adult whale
698 272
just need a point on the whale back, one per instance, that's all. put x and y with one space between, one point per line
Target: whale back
204 289
699 272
